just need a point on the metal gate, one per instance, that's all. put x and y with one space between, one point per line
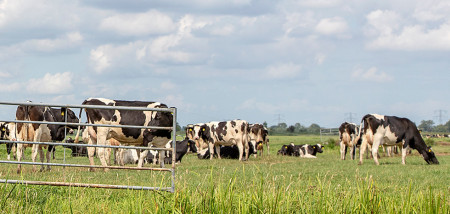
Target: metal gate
173 149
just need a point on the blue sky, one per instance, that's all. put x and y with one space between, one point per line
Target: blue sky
312 61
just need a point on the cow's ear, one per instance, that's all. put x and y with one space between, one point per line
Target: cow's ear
314 147
62 113
203 129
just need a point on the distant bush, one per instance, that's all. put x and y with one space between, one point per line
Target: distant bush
331 143
430 142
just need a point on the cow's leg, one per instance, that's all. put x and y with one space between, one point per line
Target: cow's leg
217 151
352 151
102 140
362 150
91 152
211 151
19 156
246 148
343 150
162 155
377 141
34 152
142 156
50 151
108 156
404 152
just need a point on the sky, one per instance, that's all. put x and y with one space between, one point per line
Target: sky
291 61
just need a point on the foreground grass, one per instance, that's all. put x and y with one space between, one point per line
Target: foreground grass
269 184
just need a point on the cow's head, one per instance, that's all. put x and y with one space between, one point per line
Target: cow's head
203 132
318 148
71 117
203 154
3 131
429 156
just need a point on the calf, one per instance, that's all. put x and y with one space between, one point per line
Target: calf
7 131
191 129
226 133
310 151
182 148
348 133
76 150
287 150
258 135
231 152
390 130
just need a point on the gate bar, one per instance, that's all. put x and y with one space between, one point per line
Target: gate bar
88 124
104 186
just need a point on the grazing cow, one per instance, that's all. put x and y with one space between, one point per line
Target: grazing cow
310 151
40 132
182 148
231 152
128 156
7 131
126 136
227 133
258 136
390 130
348 133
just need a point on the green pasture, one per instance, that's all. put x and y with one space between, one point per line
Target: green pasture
268 184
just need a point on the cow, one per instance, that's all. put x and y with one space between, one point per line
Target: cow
231 152
77 151
348 133
310 151
287 150
226 133
7 131
40 132
126 136
391 130
258 135
190 132
182 148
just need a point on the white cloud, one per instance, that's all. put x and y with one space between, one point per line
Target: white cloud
167 85
320 58
372 74
280 71
69 40
51 84
294 105
332 26
150 22
5 75
100 59
387 30
11 87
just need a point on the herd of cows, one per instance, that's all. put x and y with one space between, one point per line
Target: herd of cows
228 139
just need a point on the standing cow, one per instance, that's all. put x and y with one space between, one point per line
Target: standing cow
348 133
226 133
126 136
258 135
390 130
41 132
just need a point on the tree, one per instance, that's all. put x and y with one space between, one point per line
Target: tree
265 124
282 125
291 129
314 128
426 125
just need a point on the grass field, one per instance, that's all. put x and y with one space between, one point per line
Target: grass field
269 184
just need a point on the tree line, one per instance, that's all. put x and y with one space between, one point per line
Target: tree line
429 126
297 128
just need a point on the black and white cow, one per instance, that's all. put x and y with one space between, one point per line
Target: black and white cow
40 132
190 132
258 135
288 150
348 133
231 152
7 131
77 151
310 151
126 136
226 133
390 130
182 148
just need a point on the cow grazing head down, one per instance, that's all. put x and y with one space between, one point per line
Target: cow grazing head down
429 156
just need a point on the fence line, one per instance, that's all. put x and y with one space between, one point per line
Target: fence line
173 149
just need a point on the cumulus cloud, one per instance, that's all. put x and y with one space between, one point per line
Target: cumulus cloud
68 40
372 74
387 31
51 83
140 24
10 87
286 70
332 26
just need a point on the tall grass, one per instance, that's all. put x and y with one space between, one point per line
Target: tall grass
269 184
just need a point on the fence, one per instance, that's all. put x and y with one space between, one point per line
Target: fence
65 123
328 131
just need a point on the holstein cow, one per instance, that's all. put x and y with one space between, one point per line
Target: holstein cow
310 151
40 132
258 137
76 150
126 136
287 150
227 133
390 130
231 152
190 132
348 133
182 148
7 131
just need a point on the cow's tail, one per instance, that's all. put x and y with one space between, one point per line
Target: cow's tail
361 127
79 127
